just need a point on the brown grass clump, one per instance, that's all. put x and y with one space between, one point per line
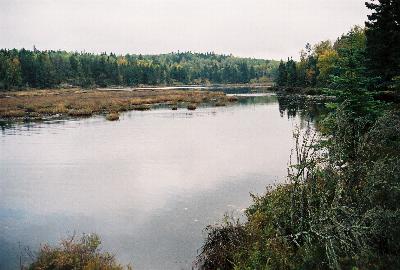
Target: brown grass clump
192 107
114 116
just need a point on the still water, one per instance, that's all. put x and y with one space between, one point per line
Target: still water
147 184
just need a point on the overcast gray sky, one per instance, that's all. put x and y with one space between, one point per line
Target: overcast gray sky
252 28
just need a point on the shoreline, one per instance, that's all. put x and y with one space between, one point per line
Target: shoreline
270 86
188 87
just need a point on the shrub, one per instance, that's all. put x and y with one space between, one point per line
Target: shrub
220 245
78 254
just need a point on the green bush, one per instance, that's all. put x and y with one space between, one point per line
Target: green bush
77 254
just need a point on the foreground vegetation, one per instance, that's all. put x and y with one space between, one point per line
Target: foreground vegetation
340 205
75 253
37 104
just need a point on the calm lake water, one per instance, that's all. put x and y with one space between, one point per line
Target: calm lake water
147 184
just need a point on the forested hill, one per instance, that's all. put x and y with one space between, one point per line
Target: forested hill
45 69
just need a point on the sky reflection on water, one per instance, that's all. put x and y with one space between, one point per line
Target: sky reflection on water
147 184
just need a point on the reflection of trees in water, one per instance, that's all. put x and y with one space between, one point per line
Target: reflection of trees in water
307 109
257 100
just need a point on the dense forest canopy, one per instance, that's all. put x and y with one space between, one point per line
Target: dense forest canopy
320 63
45 69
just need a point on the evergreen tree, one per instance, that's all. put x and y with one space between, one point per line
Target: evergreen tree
383 39
291 72
282 74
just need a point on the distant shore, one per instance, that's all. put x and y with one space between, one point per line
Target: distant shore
190 87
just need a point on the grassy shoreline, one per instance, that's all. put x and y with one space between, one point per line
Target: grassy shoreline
76 102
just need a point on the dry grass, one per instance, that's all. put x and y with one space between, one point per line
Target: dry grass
13 113
83 103
84 112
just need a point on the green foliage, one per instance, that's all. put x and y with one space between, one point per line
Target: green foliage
327 65
10 71
320 64
287 73
351 82
78 254
45 69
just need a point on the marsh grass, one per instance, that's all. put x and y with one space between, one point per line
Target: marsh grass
142 107
84 112
79 103
13 113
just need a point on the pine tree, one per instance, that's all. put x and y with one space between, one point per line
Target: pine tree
282 74
383 39
291 72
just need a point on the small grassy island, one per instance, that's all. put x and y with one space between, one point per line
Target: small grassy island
38 104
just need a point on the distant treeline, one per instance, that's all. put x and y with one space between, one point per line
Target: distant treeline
44 69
